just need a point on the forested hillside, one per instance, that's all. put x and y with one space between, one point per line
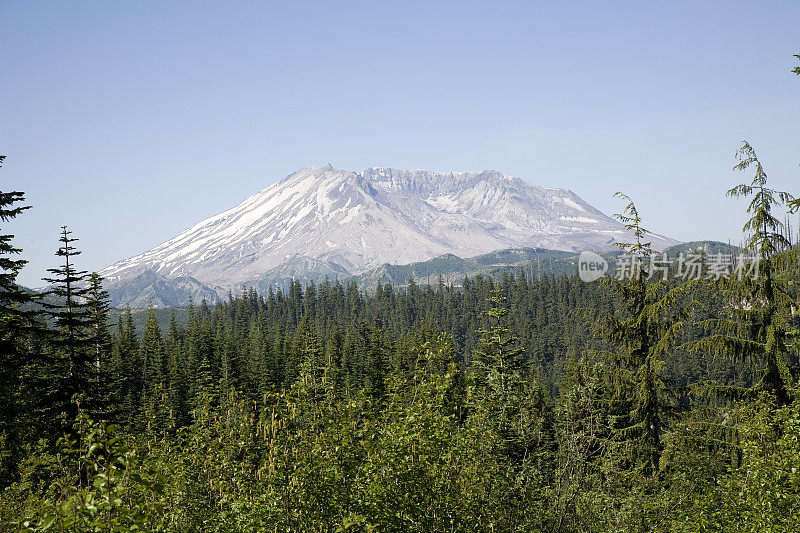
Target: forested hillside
665 403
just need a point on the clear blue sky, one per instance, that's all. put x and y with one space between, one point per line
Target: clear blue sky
131 121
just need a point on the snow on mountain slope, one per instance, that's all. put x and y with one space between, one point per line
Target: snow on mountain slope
350 222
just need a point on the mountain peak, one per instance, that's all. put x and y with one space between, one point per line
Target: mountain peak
321 219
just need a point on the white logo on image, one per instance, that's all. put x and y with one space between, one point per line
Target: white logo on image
591 266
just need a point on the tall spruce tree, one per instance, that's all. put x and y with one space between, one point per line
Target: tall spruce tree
176 371
17 323
124 372
72 341
200 355
497 348
152 349
505 391
507 404
97 304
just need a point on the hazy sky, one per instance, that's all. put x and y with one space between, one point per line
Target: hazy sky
131 121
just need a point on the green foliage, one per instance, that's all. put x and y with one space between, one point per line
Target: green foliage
762 493
104 485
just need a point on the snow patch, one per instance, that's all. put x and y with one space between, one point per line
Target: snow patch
352 213
573 204
586 220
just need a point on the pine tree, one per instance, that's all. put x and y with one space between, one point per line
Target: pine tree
334 353
72 342
152 357
377 360
314 366
177 382
97 303
12 297
516 406
124 374
226 355
199 351
510 408
497 347
260 378
17 323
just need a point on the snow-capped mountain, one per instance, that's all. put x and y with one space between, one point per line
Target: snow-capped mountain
339 223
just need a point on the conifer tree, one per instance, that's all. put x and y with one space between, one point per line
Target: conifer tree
378 349
279 356
200 348
97 303
260 379
177 383
507 404
313 365
334 353
497 360
642 338
152 355
758 321
124 375
12 297
17 323
510 397
72 342
225 354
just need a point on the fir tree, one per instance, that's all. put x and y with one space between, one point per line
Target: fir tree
72 342
17 323
97 304
260 368
510 397
497 347
200 347
176 377
152 349
124 374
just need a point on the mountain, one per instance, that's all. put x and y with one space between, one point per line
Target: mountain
531 262
150 287
453 269
706 247
321 222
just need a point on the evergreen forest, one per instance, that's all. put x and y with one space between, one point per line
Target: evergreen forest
510 404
